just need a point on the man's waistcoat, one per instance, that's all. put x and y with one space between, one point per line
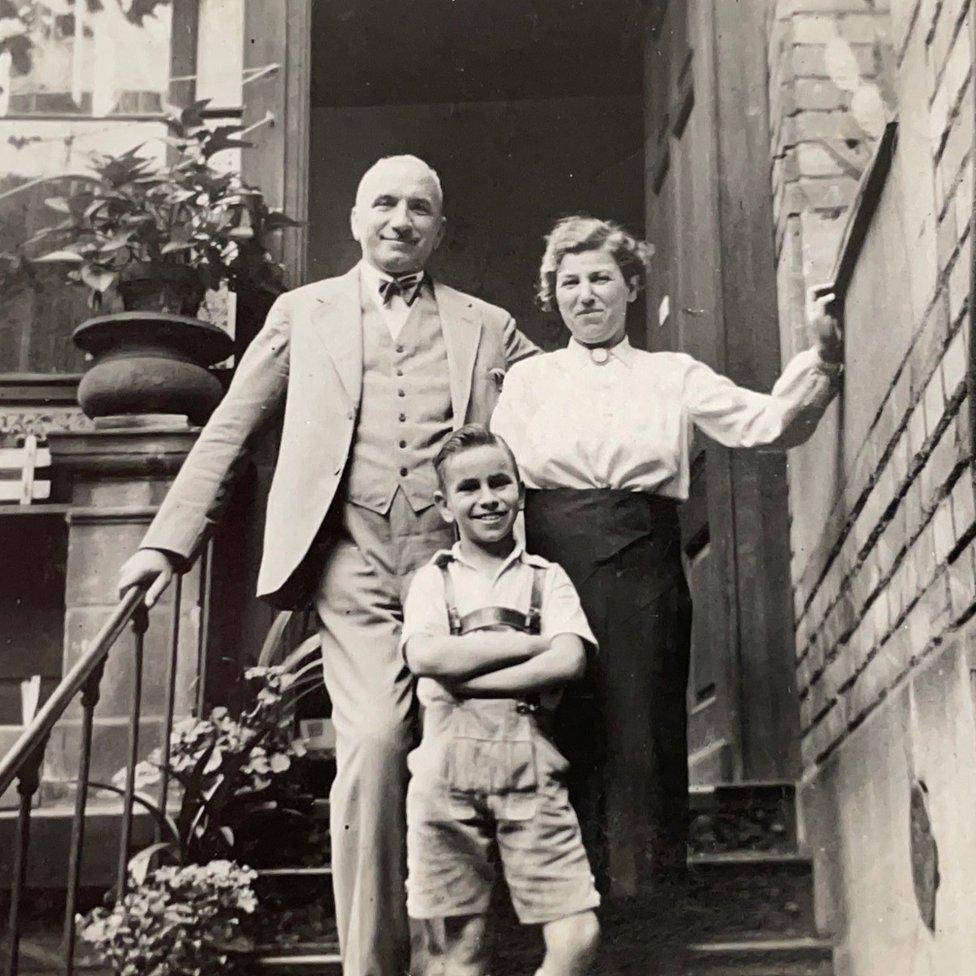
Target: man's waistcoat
308 361
405 409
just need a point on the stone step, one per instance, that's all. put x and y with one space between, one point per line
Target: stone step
749 896
51 843
322 961
749 910
785 957
756 816
297 912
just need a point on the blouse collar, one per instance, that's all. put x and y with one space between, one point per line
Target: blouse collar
623 351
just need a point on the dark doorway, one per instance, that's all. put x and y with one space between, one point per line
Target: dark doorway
650 113
32 581
527 110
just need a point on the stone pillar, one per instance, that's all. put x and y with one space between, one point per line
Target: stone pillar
119 475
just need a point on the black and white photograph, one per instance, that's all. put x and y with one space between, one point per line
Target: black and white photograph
487 487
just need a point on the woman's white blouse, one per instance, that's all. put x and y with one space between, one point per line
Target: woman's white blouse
626 424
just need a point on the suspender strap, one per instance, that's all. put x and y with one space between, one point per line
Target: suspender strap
488 617
493 616
453 617
533 619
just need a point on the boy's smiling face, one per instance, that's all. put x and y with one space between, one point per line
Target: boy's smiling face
481 494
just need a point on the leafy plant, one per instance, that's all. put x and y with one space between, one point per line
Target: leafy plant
197 915
228 769
187 218
176 921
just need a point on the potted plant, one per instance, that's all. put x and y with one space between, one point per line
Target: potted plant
154 238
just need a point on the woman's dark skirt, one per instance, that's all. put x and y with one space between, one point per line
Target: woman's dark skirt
624 728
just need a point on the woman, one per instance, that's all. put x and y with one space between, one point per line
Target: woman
602 433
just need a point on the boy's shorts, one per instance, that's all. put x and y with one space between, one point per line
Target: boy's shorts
486 777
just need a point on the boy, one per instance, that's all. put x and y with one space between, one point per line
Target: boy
492 634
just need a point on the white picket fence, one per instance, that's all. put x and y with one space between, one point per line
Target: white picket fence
19 468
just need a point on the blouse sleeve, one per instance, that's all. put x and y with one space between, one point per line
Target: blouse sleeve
737 417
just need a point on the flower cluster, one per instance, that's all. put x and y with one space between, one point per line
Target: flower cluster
178 922
258 741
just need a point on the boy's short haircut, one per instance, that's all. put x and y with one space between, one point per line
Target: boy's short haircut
464 439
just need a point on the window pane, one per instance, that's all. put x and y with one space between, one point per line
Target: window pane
84 57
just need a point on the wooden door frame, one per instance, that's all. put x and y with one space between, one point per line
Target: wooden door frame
768 705
747 493
279 32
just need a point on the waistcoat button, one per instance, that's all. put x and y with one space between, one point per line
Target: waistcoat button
403 472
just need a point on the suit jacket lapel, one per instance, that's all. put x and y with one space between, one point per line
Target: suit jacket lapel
339 325
461 327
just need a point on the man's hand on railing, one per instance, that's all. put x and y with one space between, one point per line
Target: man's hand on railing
149 567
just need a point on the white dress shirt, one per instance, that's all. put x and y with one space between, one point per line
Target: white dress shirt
627 423
395 314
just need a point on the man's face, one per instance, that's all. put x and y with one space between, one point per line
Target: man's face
481 495
397 219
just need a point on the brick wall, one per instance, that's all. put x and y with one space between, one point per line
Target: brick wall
822 54
881 498
889 564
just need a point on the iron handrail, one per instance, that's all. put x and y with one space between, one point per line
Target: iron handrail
35 735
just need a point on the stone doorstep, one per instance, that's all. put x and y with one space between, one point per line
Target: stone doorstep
752 816
725 796
317 963
51 842
750 896
753 954
785 957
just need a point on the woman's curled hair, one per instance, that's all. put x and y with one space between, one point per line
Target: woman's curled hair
573 235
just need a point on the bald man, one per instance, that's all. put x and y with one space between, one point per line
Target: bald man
373 370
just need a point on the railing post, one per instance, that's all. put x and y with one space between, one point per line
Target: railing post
206 576
89 699
140 624
169 706
27 783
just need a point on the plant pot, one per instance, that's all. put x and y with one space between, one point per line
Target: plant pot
172 288
150 363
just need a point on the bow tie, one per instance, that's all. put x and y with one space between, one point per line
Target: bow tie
407 287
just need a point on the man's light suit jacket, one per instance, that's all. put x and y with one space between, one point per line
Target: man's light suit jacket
309 357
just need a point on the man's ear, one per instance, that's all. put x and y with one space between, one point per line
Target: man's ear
354 225
440 233
441 502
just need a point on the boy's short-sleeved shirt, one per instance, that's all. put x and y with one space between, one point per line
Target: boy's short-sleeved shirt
425 610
